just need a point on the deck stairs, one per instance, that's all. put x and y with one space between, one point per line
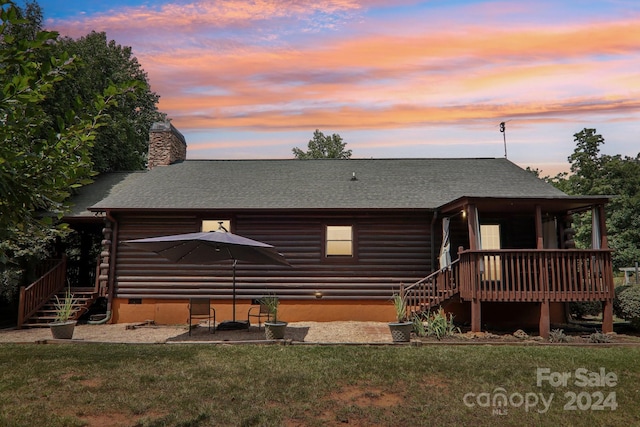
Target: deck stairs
431 292
83 299
37 301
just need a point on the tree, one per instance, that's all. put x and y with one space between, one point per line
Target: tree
595 174
36 167
27 23
586 164
324 147
121 143
42 157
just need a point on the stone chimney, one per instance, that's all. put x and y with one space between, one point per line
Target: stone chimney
166 145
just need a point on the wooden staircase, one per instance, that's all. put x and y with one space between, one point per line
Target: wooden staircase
37 301
430 292
83 299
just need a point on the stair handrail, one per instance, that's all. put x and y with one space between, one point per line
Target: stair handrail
409 292
431 276
34 296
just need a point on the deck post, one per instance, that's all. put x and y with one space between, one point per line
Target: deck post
475 315
21 318
545 322
607 316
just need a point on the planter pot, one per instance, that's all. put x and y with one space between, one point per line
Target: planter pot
401 332
63 330
274 331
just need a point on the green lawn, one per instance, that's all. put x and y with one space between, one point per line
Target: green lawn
207 385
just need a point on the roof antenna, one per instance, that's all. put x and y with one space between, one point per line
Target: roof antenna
504 136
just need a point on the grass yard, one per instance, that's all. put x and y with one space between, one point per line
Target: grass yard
206 385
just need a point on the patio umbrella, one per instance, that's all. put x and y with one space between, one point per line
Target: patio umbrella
211 247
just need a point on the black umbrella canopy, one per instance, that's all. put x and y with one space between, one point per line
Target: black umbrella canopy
210 247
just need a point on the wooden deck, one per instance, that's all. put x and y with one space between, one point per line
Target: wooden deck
519 275
536 275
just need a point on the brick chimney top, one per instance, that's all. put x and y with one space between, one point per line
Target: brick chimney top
166 145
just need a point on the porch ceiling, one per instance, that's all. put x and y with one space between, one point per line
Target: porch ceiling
562 204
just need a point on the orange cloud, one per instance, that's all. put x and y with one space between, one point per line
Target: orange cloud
372 74
366 60
403 115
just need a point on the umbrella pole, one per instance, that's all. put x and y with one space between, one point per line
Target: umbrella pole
230 325
234 289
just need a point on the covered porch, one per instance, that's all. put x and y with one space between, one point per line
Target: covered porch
518 250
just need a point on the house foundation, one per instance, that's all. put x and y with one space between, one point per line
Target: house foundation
175 312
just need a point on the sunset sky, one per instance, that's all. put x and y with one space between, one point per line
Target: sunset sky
253 79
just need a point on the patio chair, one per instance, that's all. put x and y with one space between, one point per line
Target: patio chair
262 311
200 308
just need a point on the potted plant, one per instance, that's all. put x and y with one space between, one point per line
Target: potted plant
273 329
63 325
401 329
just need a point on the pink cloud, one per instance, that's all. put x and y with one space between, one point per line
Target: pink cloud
372 74
189 18
399 116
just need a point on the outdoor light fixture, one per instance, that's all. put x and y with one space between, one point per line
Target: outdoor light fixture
462 213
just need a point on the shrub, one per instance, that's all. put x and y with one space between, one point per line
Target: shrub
418 325
599 337
585 308
617 310
558 335
440 325
627 304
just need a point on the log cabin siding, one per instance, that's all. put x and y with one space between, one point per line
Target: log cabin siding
389 248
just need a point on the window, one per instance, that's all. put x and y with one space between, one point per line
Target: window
339 241
490 238
214 224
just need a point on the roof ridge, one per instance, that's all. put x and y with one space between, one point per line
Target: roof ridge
357 159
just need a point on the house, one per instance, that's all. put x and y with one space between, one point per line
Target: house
355 232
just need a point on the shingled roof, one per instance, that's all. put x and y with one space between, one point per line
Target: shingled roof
322 184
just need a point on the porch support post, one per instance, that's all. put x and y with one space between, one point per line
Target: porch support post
604 241
474 245
545 318
472 221
545 322
539 238
607 305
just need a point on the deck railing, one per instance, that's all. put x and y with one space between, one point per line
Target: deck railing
432 290
39 292
520 275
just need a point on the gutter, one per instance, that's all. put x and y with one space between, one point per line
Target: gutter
112 267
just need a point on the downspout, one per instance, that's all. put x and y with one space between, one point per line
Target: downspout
112 269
